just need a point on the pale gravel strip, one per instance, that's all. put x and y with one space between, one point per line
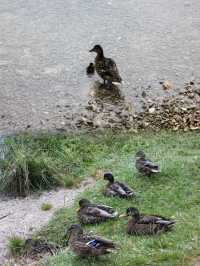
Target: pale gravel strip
25 215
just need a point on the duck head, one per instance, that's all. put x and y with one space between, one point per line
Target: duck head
133 212
97 49
74 230
109 177
140 155
84 203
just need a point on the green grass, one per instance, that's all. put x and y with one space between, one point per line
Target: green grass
41 162
174 193
16 245
46 206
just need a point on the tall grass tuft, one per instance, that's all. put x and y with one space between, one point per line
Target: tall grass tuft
24 170
37 162
16 245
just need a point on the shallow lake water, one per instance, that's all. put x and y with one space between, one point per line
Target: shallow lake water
44 48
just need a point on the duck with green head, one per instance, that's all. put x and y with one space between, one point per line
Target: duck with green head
86 245
91 213
106 68
116 188
141 224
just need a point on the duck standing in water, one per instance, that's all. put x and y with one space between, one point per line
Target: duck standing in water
90 213
105 67
145 166
116 188
141 224
85 245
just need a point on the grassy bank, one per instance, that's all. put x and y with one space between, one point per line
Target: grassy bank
173 193
35 163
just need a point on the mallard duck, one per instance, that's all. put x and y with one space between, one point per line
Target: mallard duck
85 245
146 224
116 188
90 213
105 67
144 165
90 69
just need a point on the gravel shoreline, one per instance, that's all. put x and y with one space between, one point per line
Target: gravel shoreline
24 216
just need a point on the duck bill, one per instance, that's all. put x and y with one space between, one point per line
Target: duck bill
78 209
123 215
92 50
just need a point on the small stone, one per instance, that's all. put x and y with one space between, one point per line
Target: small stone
152 110
167 85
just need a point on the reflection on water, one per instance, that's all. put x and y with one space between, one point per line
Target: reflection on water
111 94
107 107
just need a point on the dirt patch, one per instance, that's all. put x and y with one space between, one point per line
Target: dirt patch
24 216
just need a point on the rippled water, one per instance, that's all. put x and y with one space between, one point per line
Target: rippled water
44 51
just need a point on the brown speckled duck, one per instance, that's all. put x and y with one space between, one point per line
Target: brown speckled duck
90 213
145 166
116 188
141 224
105 67
85 245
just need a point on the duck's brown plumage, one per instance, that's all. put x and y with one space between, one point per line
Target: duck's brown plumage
85 245
116 188
140 224
90 213
145 166
105 67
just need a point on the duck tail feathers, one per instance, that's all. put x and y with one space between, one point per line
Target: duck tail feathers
115 214
165 222
154 170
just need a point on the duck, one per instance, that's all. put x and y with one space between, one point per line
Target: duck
86 245
106 68
90 69
141 224
145 166
116 188
90 213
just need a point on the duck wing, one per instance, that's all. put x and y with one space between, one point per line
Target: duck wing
150 165
94 241
104 242
111 70
116 187
109 192
146 219
155 219
108 209
97 212
127 189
